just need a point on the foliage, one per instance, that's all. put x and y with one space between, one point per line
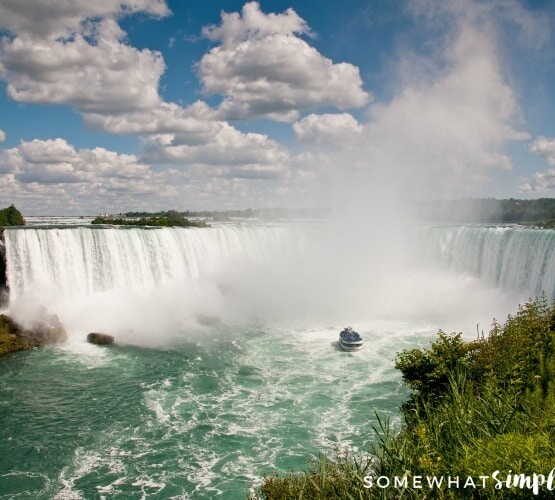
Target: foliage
11 216
171 219
476 408
428 371
540 212
341 478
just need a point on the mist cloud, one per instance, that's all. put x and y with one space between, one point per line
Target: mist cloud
444 132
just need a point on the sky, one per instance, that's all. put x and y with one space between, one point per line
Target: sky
124 105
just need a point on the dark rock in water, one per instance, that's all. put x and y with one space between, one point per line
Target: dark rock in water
13 337
207 320
100 338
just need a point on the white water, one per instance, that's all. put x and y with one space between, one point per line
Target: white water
144 285
512 258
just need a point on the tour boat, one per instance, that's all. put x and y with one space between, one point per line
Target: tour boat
349 340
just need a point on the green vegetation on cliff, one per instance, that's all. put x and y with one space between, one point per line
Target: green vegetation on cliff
169 219
476 408
11 216
540 212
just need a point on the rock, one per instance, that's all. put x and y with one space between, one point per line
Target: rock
100 338
10 336
13 337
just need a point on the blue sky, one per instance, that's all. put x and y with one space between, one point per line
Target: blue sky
153 104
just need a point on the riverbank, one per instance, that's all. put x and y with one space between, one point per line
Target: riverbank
480 417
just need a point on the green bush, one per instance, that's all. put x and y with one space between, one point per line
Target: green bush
427 371
11 216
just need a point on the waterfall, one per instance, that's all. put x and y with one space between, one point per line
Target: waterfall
138 279
129 280
512 258
85 260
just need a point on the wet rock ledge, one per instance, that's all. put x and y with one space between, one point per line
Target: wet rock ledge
14 337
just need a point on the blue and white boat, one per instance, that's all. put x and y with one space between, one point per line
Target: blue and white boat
349 340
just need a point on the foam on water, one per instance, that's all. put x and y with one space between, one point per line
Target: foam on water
217 424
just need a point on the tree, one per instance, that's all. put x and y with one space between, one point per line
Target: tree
11 216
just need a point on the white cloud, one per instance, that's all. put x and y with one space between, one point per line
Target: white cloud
59 17
545 148
252 23
264 69
105 77
115 88
328 129
53 177
197 121
542 182
229 153
2 136
54 161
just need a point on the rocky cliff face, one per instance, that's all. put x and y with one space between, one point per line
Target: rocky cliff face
3 274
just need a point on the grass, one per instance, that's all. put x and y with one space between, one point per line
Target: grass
476 408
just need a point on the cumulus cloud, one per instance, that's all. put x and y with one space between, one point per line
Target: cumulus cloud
2 136
53 177
545 148
55 161
58 17
74 53
196 121
263 68
229 153
106 76
541 181
328 129
115 88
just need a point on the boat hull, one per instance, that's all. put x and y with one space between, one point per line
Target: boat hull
350 346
